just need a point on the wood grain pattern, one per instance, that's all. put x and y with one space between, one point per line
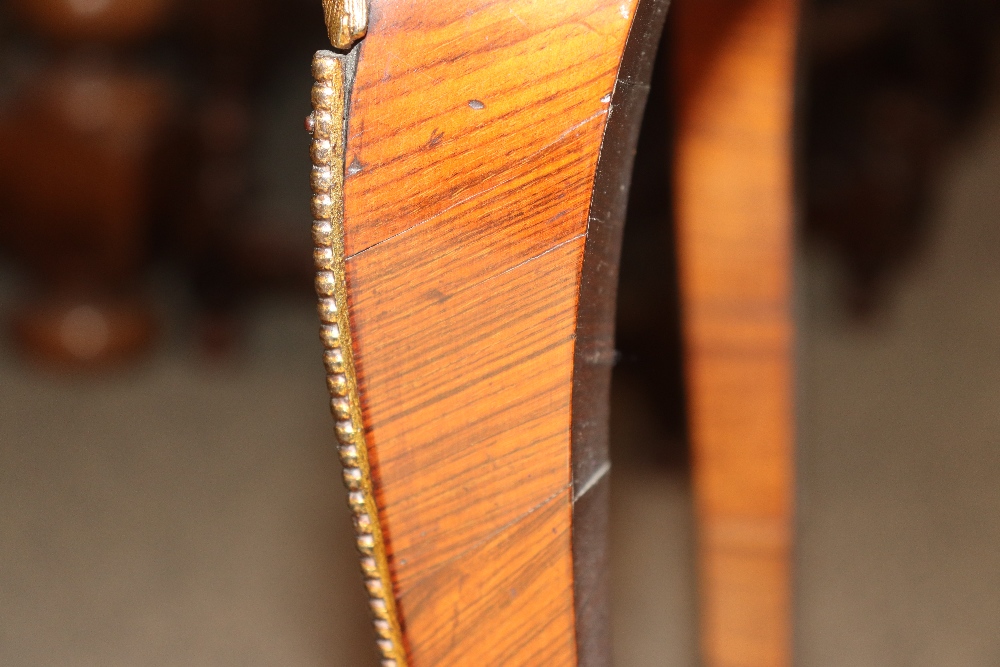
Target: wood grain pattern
734 214
474 133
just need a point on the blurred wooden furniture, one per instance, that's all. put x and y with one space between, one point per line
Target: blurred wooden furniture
471 160
76 153
735 69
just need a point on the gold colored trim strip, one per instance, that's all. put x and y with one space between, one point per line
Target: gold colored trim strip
326 124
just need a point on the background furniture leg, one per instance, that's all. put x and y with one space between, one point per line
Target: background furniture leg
735 71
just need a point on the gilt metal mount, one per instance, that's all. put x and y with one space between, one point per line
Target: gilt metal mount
326 124
346 21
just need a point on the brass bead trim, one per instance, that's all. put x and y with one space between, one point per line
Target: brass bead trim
326 124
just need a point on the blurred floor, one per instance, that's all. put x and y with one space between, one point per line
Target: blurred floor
180 514
184 514
653 587
899 538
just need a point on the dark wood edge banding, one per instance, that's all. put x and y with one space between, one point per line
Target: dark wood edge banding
595 348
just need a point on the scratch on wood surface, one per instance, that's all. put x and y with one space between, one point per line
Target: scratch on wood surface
598 475
479 193
494 533
519 264
411 69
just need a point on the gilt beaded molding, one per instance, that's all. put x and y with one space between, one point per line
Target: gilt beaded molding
327 126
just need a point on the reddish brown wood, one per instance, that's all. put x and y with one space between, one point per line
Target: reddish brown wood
474 133
734 216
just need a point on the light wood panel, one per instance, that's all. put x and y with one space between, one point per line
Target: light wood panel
735 64
474 133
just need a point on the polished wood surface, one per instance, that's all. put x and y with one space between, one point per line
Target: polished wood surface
735 64
474 133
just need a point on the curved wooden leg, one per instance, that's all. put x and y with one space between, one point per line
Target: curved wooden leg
734 219
470 164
